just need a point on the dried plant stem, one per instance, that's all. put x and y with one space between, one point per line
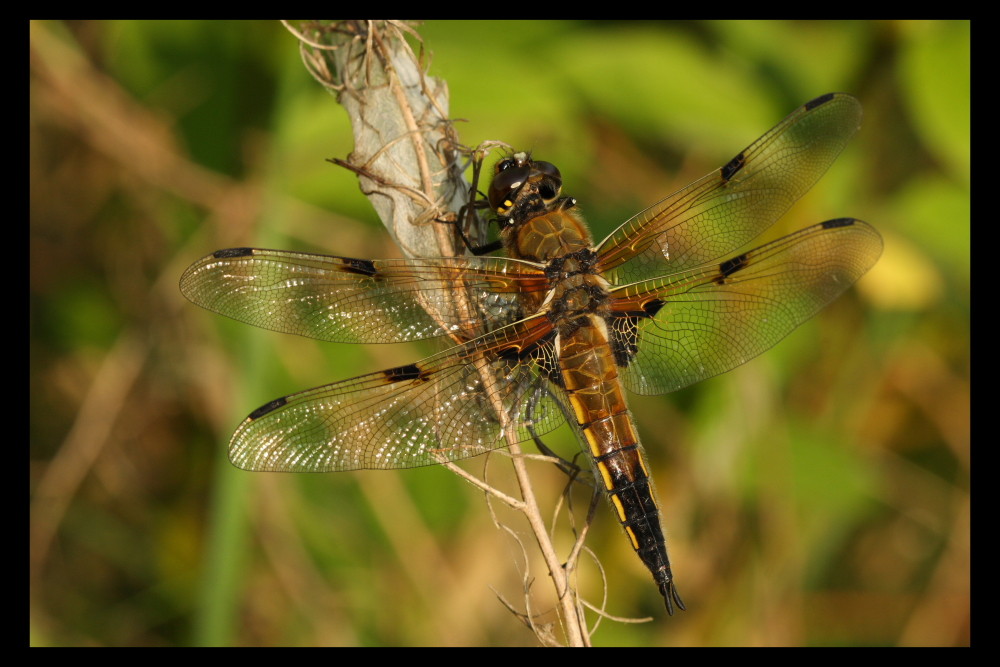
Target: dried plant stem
410 165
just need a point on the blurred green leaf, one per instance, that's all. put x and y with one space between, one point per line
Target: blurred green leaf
935 69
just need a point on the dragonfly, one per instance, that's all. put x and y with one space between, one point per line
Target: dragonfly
558 328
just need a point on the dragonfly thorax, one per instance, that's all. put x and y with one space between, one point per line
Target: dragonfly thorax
575 297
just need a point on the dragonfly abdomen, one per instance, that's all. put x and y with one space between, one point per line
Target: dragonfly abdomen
590 377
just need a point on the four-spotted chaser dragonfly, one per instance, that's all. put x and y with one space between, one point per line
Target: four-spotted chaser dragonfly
560 327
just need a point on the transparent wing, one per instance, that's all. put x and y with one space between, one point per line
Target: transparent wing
726 209
449 406
347 300
676 330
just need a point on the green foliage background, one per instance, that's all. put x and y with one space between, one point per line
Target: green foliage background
815 496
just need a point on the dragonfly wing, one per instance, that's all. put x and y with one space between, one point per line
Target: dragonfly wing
729 207
348 300
450 406
673 331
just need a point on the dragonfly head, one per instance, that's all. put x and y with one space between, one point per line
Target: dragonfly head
519 181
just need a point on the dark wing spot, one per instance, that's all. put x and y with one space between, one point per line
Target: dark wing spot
550 370
268 407
652 307
733 166
232 252
731 266
839 222
364 267
623 332
403 373
623 328
819 101
513 355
